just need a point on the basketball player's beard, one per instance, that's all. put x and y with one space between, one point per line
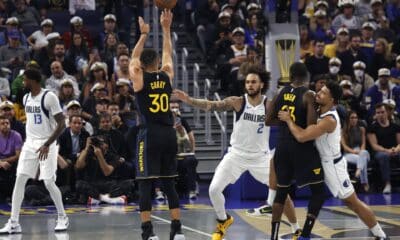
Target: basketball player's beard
253 94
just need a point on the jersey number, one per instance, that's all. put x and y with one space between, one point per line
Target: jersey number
291 110
260 129
38 118
160 102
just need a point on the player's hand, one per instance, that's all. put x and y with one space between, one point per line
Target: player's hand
88 143
166 18
181 95
356 152
5 165
144 27
43 152
180 129
284 116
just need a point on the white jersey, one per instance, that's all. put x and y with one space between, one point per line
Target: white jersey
40 109
328 144
250 135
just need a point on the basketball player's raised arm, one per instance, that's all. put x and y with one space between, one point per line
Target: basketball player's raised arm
166 62
313 131
135 66
227 104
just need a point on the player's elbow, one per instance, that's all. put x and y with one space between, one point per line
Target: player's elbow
301 138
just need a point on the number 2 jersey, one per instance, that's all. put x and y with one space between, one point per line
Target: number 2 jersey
250 135
291 99
39 110
153 100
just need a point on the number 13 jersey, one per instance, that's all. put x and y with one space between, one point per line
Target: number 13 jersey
250 135
153 100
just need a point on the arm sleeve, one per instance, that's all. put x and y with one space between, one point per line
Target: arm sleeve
186 125
52 103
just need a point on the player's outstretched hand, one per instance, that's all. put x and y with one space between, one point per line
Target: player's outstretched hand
166 18
284 116
181 95
144 27
43 152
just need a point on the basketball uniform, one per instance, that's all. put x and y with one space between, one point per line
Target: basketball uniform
334 164
40 125
294 161
156 143
249 149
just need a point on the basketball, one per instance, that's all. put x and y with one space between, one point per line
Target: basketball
168 4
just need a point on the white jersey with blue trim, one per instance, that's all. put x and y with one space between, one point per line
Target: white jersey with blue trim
250 135
328 144
39 110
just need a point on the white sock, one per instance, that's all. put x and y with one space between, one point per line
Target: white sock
55 195
115 200
218 184
377 231
271 196
18 196
294 226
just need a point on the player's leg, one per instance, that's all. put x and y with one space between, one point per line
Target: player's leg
145 188
277 210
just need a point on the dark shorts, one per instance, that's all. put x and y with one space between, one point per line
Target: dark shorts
297 163
156 148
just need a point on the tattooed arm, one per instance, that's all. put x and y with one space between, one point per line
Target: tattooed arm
227 104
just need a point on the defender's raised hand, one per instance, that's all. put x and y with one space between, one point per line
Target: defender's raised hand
166 18
144 27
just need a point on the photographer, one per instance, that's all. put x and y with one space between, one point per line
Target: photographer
116 139
116 120
97 166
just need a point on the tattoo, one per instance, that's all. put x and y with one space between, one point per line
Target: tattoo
219 106
60 119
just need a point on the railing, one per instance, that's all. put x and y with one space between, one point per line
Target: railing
185 76
196 94
222 124
207 120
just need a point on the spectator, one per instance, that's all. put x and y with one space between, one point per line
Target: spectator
390 106
7 110
320 81
116 120
58 54
320 27
38 39
74 5
334 69
187 161
74 108
383 89
110 47
113 64
66 93
395 71
305 42
363 8
58 75
205 16
97 164
13 55
78 53
354 147
367 41
385 31
353 54
98 74
346 17
361 80
110 26
393 14
77 26
384 137
4 11
4 84
381 58
254 33
27 16
126 102
237 53
340 45
116 140
348 100
253 59
99 92
11 143
317 63
122 69
12 23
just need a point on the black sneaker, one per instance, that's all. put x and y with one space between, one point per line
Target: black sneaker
147 231
176 231
261 211
382 238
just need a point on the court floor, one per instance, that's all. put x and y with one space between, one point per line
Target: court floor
106 222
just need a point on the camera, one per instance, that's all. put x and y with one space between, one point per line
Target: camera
97 141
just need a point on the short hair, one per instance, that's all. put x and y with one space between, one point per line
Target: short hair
113 103
74 116
335 90
355 34
104 115
319 40
298 71
379 105
59 42
318 77
2 117
122 54
33 74
148 57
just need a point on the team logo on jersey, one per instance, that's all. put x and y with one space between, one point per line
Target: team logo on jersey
317 171
346 183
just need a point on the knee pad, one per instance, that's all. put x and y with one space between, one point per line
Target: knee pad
281 195
169 190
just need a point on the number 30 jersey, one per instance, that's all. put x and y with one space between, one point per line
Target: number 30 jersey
291 99
250 135
153 100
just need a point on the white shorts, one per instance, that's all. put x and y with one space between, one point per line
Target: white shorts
29 164
233 165
337 178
